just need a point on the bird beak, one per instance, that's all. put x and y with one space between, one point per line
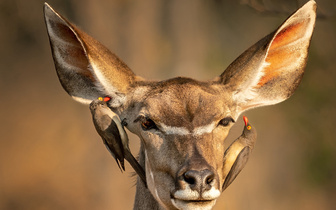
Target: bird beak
245 120
106 99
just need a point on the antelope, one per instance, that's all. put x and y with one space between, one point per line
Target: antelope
182 123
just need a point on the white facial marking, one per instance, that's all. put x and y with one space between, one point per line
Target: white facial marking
182 131
151 182
187 194
183 199
174 130
211 194
186 205
204 129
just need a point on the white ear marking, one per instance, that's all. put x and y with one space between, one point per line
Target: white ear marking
250 92
104 86
81 100
102 79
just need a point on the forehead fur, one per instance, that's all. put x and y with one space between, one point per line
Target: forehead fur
184 102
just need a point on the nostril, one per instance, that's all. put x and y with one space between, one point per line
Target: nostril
190 177
209 178
198 180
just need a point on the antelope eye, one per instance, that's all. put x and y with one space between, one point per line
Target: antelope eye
226 121
148 124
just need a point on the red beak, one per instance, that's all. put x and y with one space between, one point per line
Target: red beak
245 120
107 99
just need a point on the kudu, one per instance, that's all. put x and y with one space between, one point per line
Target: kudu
182 123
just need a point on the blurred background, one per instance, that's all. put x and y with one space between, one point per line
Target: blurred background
51 156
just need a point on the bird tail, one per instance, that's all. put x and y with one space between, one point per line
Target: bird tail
121 164
136 166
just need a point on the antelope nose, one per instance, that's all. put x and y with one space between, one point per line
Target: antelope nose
199 180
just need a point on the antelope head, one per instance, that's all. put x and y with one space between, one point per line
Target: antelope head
182 123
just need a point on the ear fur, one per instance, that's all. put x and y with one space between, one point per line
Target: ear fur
86 69
270 71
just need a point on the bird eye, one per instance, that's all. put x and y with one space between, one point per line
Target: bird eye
226 121
148 124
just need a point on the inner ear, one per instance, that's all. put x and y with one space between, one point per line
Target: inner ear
86 68
270 71
287 51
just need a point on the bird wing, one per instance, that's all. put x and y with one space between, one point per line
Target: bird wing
109 127
111 138
237 166
103 123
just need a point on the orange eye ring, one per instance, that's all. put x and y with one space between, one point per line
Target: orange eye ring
249 127
100 98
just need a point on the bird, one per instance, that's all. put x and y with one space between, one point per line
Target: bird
238 153
110 129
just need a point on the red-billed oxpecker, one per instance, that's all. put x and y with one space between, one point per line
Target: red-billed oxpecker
110 128
237 155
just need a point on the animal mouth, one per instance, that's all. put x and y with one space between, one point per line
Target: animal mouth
192 199
193 204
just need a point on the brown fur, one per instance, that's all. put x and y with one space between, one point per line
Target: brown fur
187 113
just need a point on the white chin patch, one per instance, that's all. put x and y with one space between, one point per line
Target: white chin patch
189 194
193 205
191 199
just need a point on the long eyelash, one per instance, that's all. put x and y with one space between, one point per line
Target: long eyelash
139 118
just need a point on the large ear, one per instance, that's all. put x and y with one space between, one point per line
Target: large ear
270 71
86 69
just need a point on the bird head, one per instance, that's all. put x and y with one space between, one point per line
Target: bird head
105 99
247 124
249 130
102 102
